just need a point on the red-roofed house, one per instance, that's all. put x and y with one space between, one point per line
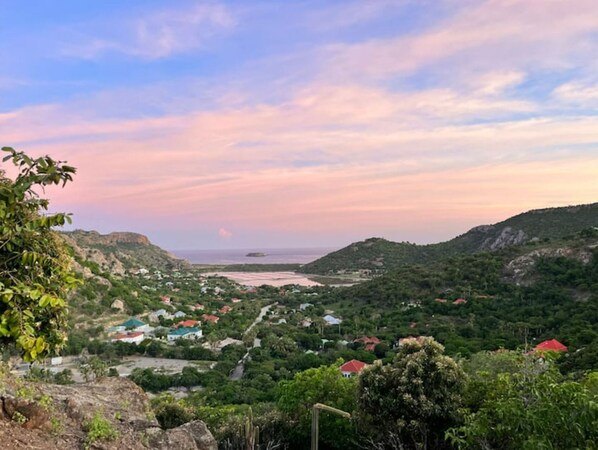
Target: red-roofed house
440 300
187 323
225 309
550 346
370 342
132 338
460 301
210 318
198 306
352 368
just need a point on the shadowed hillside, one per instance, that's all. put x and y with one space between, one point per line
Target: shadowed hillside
379 255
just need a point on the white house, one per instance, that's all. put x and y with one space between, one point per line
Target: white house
179 314
331 320
304 306
185 333
132 338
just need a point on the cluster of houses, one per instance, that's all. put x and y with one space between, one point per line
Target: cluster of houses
354 367
134 331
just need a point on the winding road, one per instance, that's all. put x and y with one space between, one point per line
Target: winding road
237 372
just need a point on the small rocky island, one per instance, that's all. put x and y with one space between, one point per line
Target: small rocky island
255 255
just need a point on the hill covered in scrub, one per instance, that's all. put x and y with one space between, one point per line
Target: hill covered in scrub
379 255
120 251
488 300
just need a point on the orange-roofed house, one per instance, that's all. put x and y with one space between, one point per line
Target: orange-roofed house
369 342
550 346
210 318
188 323
132 338
352 368
460 301
225 309
198 306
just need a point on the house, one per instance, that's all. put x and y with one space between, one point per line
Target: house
550 346
236 300
210 318
179 314
226 342
440 300
304 306
134 324
198 307
154 316
306 323
185 333
165 299
133 338
281 321
225 309
369 342
331 320
187 323
352 368
460 301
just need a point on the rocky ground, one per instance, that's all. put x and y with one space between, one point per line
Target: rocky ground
114 410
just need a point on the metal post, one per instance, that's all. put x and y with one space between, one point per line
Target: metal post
315 417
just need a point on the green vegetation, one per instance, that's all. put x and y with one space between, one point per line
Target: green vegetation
415 399
98 428
34 267
376 255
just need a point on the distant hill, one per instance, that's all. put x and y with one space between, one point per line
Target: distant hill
380 255
117 252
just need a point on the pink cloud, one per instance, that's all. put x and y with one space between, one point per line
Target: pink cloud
224 233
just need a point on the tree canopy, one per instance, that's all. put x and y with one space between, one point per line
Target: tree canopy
34 266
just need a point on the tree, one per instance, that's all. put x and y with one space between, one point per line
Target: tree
532 410
322 385
34 265
416 398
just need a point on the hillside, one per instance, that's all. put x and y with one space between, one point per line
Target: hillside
538 291
117 252
380 255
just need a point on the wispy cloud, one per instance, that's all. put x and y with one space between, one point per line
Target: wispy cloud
155 34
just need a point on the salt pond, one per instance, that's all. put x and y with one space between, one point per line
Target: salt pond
269 278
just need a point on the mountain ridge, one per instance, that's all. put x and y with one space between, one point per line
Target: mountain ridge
376 255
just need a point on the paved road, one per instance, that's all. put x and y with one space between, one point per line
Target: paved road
237 373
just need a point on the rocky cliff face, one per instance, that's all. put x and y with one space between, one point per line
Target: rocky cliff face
53 417
117 252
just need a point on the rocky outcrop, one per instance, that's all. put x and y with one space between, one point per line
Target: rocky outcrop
116 253
520 269
57 417
506 238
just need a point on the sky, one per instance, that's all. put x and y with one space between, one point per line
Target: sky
304 123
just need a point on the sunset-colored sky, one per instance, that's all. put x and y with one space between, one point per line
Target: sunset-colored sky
248 124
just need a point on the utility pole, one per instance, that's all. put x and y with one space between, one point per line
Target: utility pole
315 417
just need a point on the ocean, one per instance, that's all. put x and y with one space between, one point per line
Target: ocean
238 256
